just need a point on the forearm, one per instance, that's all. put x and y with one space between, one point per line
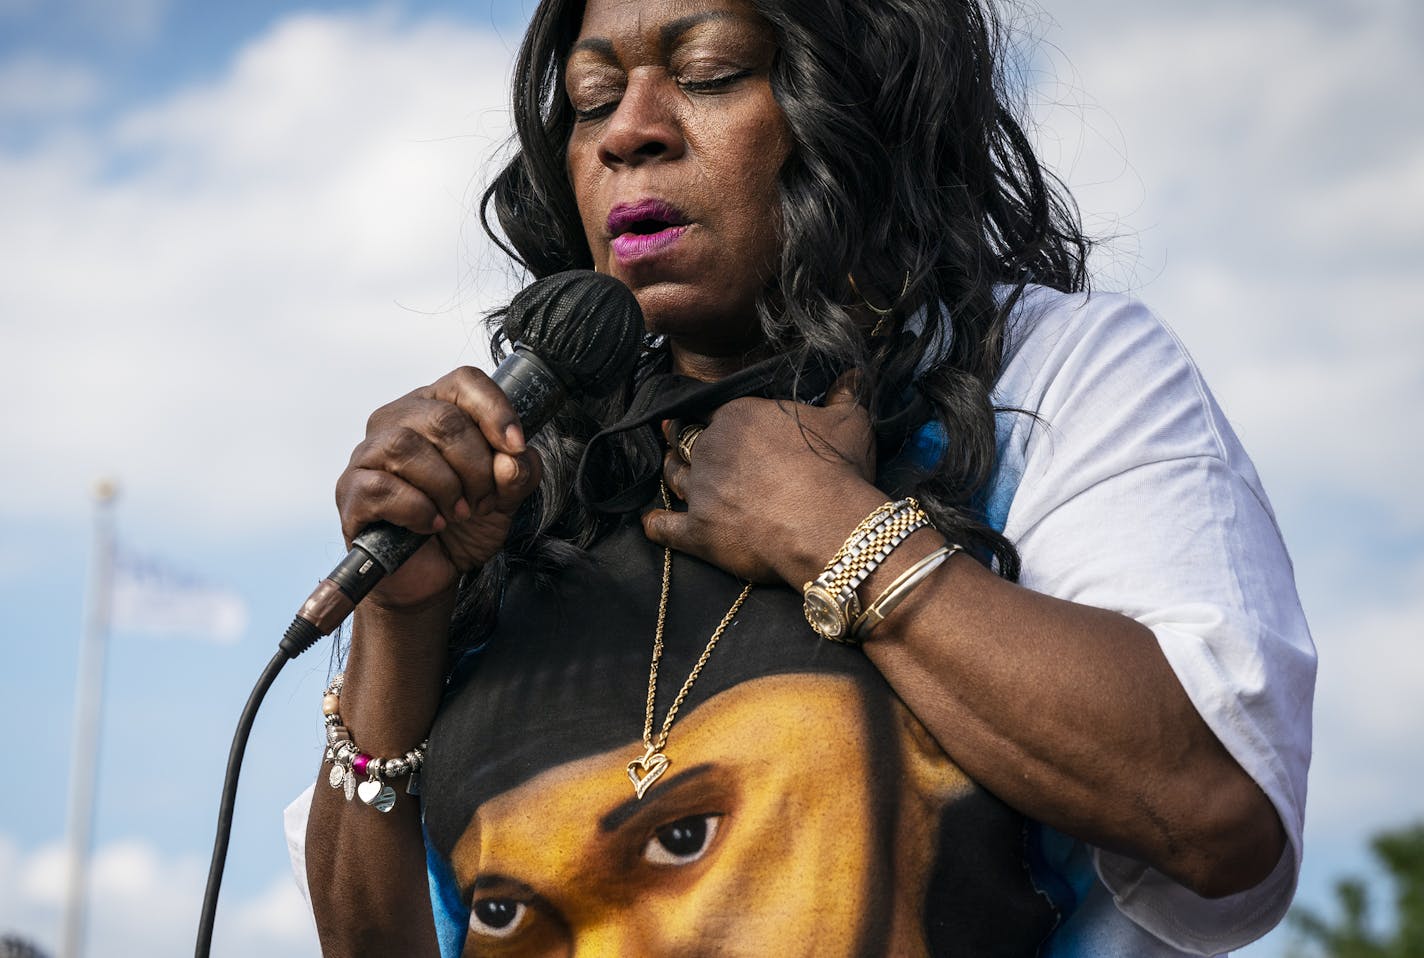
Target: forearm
1068 713
1074 716
366 870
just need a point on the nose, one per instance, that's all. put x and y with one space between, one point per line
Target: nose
644 126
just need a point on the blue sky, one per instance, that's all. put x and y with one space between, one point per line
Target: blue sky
231 230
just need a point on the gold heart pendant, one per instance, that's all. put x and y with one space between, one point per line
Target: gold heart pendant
643 772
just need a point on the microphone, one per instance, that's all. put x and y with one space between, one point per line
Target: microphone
575 334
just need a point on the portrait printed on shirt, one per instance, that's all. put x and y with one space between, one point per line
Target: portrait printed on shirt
804 810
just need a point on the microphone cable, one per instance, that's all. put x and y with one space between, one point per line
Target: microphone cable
300 636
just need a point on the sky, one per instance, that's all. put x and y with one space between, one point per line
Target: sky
229 231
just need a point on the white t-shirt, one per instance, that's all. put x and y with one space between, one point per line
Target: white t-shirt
1135 495
1130 492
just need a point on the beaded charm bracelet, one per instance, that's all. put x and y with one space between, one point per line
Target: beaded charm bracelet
349 763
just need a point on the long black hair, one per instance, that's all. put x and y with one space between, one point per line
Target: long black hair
909 170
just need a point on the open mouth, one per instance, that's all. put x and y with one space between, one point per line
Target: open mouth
643 229
644 218
649 226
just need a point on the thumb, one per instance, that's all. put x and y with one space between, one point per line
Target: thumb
667 528
516 477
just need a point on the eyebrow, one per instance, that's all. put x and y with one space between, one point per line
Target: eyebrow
670 33
616 818
489 881
667 36
599 45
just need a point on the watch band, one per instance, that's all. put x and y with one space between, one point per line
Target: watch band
831 602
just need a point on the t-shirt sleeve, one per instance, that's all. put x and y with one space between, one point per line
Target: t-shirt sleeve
1134 495
294 824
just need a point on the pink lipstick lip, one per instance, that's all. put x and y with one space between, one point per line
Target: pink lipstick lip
662 225
624 215
631 248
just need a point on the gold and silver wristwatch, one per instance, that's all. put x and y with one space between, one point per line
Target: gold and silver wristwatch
831 602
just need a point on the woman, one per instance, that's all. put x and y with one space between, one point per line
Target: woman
1105 758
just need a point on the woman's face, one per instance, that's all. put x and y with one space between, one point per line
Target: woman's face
674 159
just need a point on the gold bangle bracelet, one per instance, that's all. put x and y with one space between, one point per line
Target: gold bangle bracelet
896 592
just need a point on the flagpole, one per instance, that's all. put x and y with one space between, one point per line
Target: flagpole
88 718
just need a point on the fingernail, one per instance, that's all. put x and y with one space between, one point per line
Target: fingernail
439 524
462 510
514 437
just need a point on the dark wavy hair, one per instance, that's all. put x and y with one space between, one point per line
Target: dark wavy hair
909 168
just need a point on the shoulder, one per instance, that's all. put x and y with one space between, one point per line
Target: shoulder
1066 341
1106 376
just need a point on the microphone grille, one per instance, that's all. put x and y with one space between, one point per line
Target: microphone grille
586 326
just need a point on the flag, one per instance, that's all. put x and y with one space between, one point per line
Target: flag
152 598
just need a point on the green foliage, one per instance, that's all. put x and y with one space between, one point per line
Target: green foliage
1401 854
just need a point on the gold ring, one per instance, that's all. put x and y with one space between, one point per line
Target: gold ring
687 439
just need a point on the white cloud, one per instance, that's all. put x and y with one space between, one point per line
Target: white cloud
35 86
42 879
279 914
1368 719
1259 128
145 903
207 298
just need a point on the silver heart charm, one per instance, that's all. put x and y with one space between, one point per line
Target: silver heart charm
378 796
335 778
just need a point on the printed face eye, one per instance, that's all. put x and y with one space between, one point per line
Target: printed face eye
497 917
682 842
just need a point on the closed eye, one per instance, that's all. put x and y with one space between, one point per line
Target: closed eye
682 842
713 84
595 112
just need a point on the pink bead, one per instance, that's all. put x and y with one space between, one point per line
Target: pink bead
359 763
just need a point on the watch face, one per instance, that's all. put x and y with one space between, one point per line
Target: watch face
824 612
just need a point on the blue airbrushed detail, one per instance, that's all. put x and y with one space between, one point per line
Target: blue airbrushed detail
1008 470
1062 871
927 447
452 918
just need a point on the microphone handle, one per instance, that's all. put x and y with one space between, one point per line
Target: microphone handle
379 549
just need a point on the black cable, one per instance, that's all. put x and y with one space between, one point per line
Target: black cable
300 636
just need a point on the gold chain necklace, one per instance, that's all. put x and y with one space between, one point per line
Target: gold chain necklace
644 771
